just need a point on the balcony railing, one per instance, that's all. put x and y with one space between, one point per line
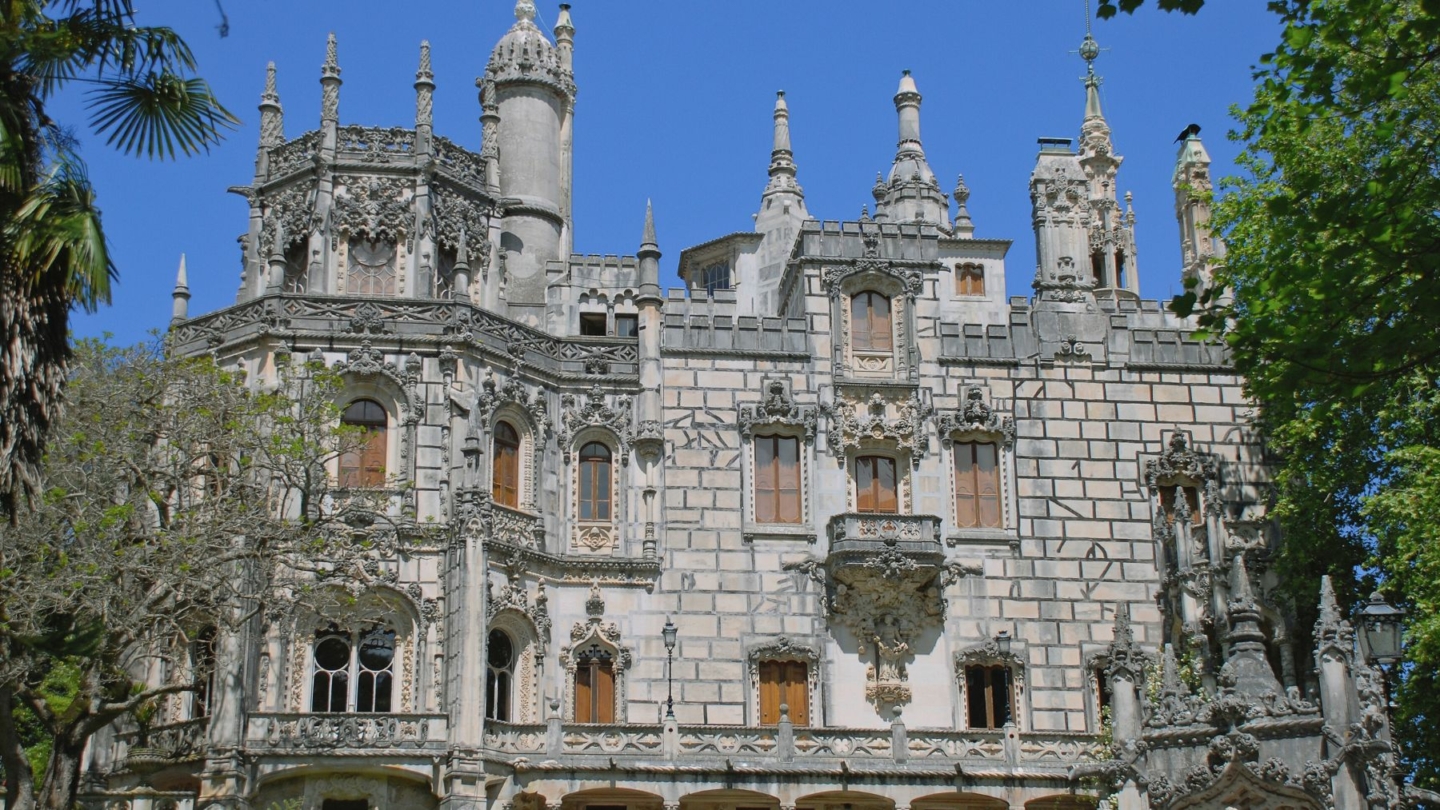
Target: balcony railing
166 745
310 733
855 532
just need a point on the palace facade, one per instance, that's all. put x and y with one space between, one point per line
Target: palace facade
836 526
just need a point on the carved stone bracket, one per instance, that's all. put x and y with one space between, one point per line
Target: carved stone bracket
778 407
976 416
594 412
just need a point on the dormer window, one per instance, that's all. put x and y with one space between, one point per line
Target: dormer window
970 280
870 323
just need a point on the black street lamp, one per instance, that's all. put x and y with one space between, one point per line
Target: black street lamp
670 633
1380 628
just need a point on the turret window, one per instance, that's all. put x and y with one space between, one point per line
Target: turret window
592 324
372 268
870 324
715 277
365 466
627 326
505 466
970 280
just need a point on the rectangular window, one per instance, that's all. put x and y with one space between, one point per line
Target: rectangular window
784 683
592 324
988 696
1192 505
977 485
627 326
777 479
875 485
594 691
870 326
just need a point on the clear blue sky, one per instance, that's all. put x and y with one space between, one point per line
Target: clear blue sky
674 105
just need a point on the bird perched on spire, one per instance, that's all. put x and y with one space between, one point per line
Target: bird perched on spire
1190 132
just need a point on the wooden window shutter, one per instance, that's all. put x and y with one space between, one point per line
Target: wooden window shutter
604 693
770 698
987 484
797 692
584 700
788 480
966 514
765 483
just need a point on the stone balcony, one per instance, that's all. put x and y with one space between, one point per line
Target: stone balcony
165 746
345 734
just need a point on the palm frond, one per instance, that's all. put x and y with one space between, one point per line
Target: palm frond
159 114
57 230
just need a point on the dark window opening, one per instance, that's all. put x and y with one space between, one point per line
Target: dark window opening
592 324
715 277
499 675
988 696
1191 506
345 804
627 326
1097 267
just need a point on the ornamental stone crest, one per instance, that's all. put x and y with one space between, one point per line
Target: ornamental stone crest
371 208
1179 461
492 396
595 412
852 423
777 407
290 213
977 416
368 361
456 214
514 596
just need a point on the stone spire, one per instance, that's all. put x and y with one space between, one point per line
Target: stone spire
783 202
565 37
330 84
272 115
1247 668
1111 261
911 193
649 256
180 296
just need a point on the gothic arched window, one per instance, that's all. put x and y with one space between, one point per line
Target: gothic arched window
870 323
202 670
977 485
365 466
876 485
365 658
499 675
594 483
595 686
372 268
505 466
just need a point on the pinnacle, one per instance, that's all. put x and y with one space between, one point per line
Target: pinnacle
332 61
182 277
648 239
424 73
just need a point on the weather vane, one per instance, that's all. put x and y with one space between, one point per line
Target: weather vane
1089 48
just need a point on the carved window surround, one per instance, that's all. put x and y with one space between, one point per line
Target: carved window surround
901 282
976 420
988 654
368 375
896 420
509 609
776 414
381 606
782 648
528 414
594 630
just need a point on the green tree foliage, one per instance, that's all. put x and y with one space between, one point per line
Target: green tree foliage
171 503
1330 299
144 101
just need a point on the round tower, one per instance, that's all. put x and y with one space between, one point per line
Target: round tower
533 94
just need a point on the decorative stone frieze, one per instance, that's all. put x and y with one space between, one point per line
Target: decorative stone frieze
976 418
778 407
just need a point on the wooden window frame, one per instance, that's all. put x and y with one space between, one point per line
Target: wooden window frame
587 467
868 499
359 469
630 320
970 281
774 496
866 340
595 683
783 682
505 465
970 489
989 696
1192 495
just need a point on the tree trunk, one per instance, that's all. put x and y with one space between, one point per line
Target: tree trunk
19 780
62 774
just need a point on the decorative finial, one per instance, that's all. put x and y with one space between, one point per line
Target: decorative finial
962 191
271 95
424 73
525 11
462 252
180 296
332 60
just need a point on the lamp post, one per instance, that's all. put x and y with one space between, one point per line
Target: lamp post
670 633
1002 642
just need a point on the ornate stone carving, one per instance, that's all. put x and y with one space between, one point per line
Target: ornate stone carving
1125 658
595 637
594 412
291 212
976 416
1180 462
372 208
455 213
376 144
777 407
849 426
1071 348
